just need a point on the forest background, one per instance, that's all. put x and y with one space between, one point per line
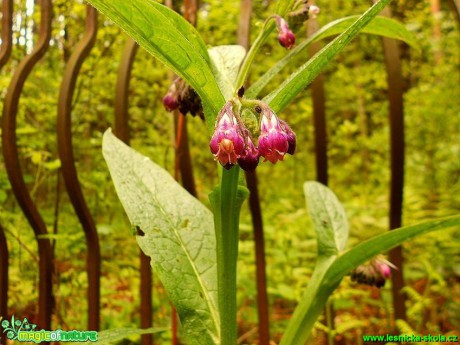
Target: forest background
358 153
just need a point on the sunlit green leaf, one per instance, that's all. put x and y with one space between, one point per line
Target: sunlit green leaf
286 92
226 61
176 231
381 26
328 217
172 40
330 271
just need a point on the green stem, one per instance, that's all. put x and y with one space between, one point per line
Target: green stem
268 27
226 218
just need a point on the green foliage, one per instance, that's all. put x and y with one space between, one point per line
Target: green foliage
285 93
226 61
112 336
381 26
330 268
358 131
176 231
328 217
173 41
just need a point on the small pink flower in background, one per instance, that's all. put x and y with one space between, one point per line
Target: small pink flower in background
227 143
374 273
383 266
285 36
170 101
313 11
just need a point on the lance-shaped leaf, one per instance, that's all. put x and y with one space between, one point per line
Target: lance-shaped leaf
328 217
176 231
172 40
380 26
290 88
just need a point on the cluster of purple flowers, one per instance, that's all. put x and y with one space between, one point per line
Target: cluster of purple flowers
232 143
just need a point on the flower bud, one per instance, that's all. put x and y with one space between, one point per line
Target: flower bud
249 159
170 101
227 143
285 36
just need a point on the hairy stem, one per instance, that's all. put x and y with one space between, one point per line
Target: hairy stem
226 220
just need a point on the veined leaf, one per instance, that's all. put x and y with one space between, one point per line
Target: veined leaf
172 40
226 61
383 243
328 217
286 92
381 26
176 231
330 270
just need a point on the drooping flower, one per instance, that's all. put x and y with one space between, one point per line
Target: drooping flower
285 36
273 140
249 159
181 96
227 142
170 101
291 137
374 273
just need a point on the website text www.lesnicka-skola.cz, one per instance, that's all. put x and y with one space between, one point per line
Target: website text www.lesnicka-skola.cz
412 338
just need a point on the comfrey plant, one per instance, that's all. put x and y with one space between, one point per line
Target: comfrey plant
194 251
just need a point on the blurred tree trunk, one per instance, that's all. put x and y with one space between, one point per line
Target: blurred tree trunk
435 13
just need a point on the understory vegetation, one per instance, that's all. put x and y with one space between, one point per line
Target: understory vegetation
359 172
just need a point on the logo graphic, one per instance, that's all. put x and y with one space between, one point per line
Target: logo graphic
16 326
26 331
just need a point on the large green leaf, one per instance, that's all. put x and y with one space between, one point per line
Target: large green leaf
286 92
380 26
330 270
226 61
176 231
328 217
172 40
